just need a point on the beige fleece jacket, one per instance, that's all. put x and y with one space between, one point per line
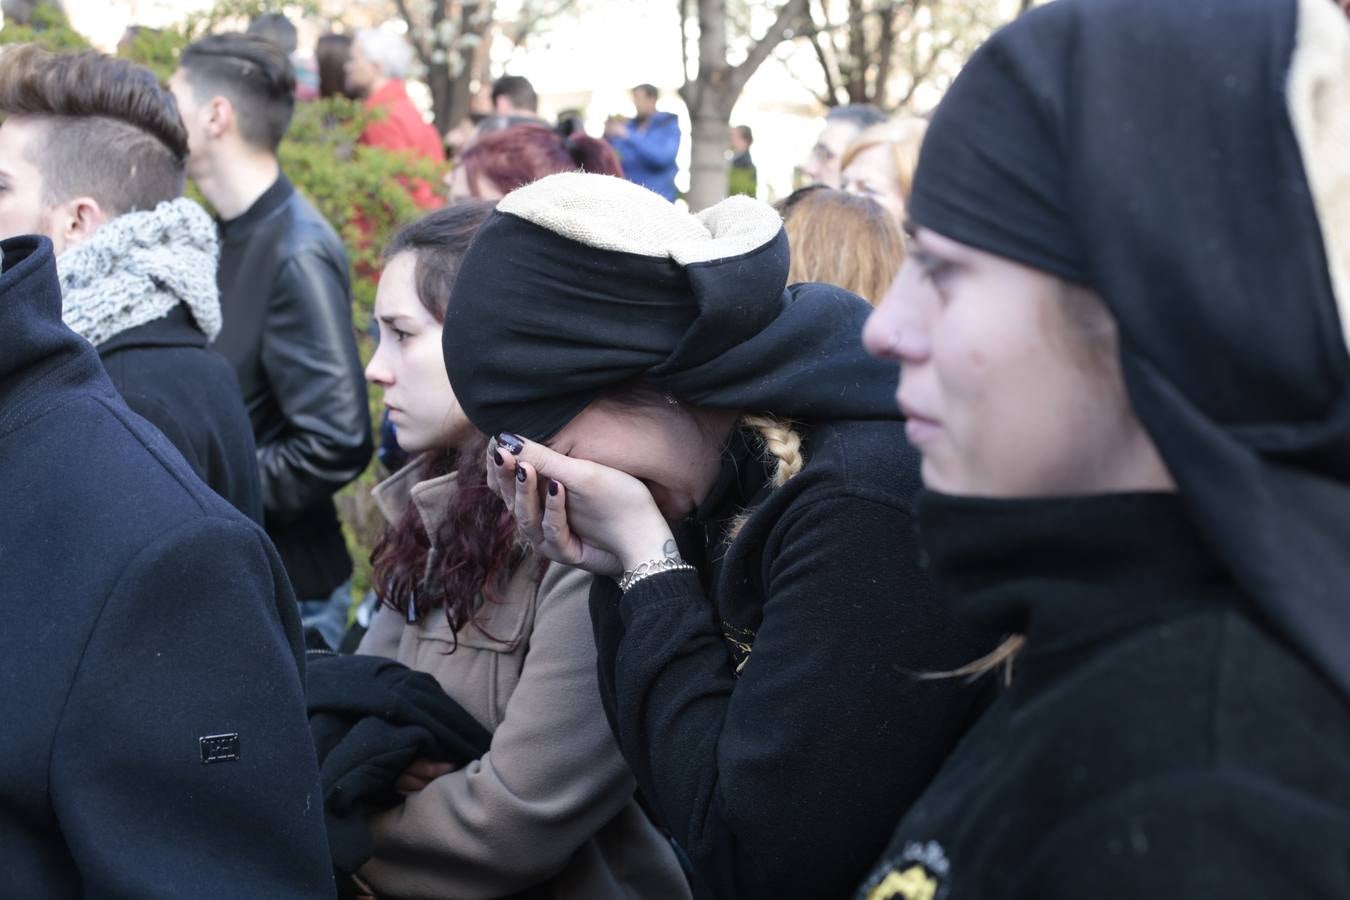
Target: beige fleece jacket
551 802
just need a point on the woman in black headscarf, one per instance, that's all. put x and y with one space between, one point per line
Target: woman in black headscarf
1122 342
723 452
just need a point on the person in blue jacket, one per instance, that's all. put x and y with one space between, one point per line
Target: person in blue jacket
647 143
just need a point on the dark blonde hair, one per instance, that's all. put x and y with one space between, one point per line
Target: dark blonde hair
903 137
843 239
783 445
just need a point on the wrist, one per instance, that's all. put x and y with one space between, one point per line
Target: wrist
655 548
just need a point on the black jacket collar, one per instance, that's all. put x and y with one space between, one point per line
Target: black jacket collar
177 329
40 358
271 200
1072 573
742 479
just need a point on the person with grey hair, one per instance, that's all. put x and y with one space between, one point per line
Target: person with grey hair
378 64
843 124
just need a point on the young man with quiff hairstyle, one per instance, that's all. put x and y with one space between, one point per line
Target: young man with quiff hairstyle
285 293
92 155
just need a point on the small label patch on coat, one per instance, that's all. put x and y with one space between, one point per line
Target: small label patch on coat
219 748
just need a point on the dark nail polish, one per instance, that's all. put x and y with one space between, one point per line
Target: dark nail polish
511 443
552 488
520 474
496 457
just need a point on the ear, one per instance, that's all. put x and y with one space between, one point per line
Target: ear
219 117
76 220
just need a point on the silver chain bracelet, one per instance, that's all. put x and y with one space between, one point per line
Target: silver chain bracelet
652 567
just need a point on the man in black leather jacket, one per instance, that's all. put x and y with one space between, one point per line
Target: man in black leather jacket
286 303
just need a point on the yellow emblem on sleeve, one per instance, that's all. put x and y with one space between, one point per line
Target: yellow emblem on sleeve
912 884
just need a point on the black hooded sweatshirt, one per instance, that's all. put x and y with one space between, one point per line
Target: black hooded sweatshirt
769 706
1157 740
1178 723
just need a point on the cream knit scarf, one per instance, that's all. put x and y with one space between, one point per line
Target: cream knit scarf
138 267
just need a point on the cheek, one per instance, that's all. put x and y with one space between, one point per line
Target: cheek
20 213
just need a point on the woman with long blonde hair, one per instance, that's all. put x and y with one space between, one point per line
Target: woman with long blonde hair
880 163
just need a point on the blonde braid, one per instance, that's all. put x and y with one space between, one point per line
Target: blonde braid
784 445
782 442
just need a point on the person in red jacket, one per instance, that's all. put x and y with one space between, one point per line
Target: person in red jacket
375 70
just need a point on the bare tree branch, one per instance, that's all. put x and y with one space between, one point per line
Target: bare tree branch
528 22
835 27
424 54
826 67
791 16
919 74
885 56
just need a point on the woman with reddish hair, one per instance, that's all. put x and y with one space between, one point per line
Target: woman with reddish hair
549 806
498 163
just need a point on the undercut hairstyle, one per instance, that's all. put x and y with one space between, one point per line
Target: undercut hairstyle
518 90
253 74
110 131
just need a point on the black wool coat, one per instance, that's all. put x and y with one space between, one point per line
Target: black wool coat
167 374
769 706
152 716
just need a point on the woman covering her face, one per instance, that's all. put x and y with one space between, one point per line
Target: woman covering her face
728 460
1122 333
550 805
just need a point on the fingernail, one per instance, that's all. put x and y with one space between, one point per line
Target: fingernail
496 457
520 474
512 443
552 488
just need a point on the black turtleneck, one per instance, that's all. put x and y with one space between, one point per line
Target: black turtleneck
285 300
1155 740
768 704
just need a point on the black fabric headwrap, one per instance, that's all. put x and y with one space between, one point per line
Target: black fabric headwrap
1148 149
539 325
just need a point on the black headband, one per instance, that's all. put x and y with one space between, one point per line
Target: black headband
540 324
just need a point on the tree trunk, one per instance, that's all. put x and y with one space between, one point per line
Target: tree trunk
457 106
708 158
713 93
442 89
